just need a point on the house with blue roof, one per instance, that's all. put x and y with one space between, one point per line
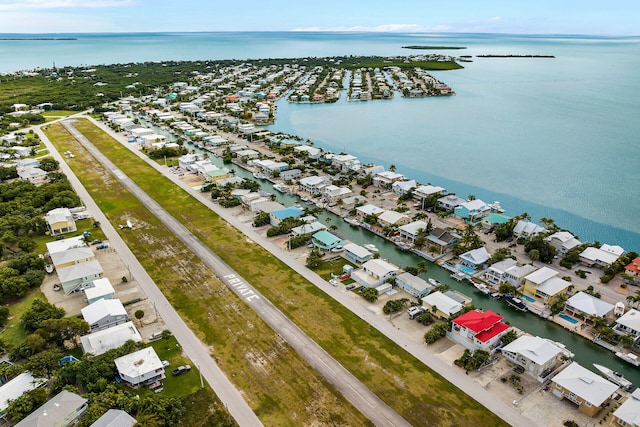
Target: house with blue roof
325 240
276 217
472 212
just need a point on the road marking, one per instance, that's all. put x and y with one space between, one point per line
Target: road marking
241 287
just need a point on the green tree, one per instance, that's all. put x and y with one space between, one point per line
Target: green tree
370 294
437 331
26 404
139 314
314 259
40 311
394 306
45 363
509 337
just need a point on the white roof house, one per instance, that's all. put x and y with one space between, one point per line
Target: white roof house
585 304
72 256
104 313
100 289
140 367
628 414
374 273
310 228
445 305
526 229
107 339
601 257
414 285
60 221
541 275
59 411
313 184
369 209
78 275
115 418
393 218
583 387
410 231
427 190
475 258
563 241
356 253
535 354
65 244
402 187
629 323
17 386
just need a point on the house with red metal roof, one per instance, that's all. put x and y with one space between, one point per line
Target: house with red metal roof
478 330
633 269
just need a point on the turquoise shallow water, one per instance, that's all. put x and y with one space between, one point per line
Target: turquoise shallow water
551 137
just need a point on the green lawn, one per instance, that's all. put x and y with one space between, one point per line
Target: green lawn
13 334
82 225
59 113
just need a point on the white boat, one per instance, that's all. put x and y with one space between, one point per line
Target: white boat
629 358
280 187
434 282
371 248
481 287
48 268
351 221
258 175
614 376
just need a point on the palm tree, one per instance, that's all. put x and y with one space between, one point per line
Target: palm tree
421 267
148 420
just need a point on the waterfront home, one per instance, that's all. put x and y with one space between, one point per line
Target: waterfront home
600 257
471 212
628 414
442 240
563 241
333 193
115 418
272 168
544 284
72 256
276 217
34 175
149 140
76 276
478 330
403 187
508 271
393 219
524 229
494 219
104 314
140 367
63 409
345 162
423 192
375 272
248 154
313 184
628 324
386 179
102 341
351 202
441 305
356 253
414 285
538 356
366 210
311 152
370 170
185 162
291 174
475 259
587 306
13 389
633 269
310 228
99 289
139 132
586 389
412 230
208 171
232 181
323 239
214 140
60 221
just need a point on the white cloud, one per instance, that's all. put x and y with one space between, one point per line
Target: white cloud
8 5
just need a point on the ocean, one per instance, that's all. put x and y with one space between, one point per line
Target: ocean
553 137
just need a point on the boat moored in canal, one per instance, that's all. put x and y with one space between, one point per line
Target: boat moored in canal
614 376
629 358
515 302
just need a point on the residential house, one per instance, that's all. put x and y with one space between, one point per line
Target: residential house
538 356
60 221
366 210
475 259
310 228
104 314
313 184
345 162
140 368
478 330
442 239
34 175
441 305
450 202
423 192
77 276
493 220
393 219
72 256
386 179
414 285
356 253
312 152
628 324
374 273
99 289
472 212
248 154
563 241
633 268
602 257
13 389
327 241
333 193
589 391
185 162
291 174
524 229
65 244
508 271
587 306
63 409
115 418
412 230
371 170
403 187
628 414
104 340
544 284
276 217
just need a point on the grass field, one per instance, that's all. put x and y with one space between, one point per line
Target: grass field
281 387
13 334
412 389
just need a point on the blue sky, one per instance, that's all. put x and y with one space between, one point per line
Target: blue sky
613 17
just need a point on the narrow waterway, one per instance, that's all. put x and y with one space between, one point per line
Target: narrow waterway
586 352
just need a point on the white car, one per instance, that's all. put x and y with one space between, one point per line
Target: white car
165 363
334 282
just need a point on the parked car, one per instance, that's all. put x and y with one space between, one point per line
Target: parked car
334 282
181 370
102 246
96 242
350 286
165 363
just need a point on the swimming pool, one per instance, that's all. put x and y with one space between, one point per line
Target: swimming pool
465 269
568 318
528 298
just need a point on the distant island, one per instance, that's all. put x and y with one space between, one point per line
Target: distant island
515 56
434 47
37 38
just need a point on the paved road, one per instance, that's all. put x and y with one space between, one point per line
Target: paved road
350 387
192 346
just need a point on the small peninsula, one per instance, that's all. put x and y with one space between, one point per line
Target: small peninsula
434 47
515 56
